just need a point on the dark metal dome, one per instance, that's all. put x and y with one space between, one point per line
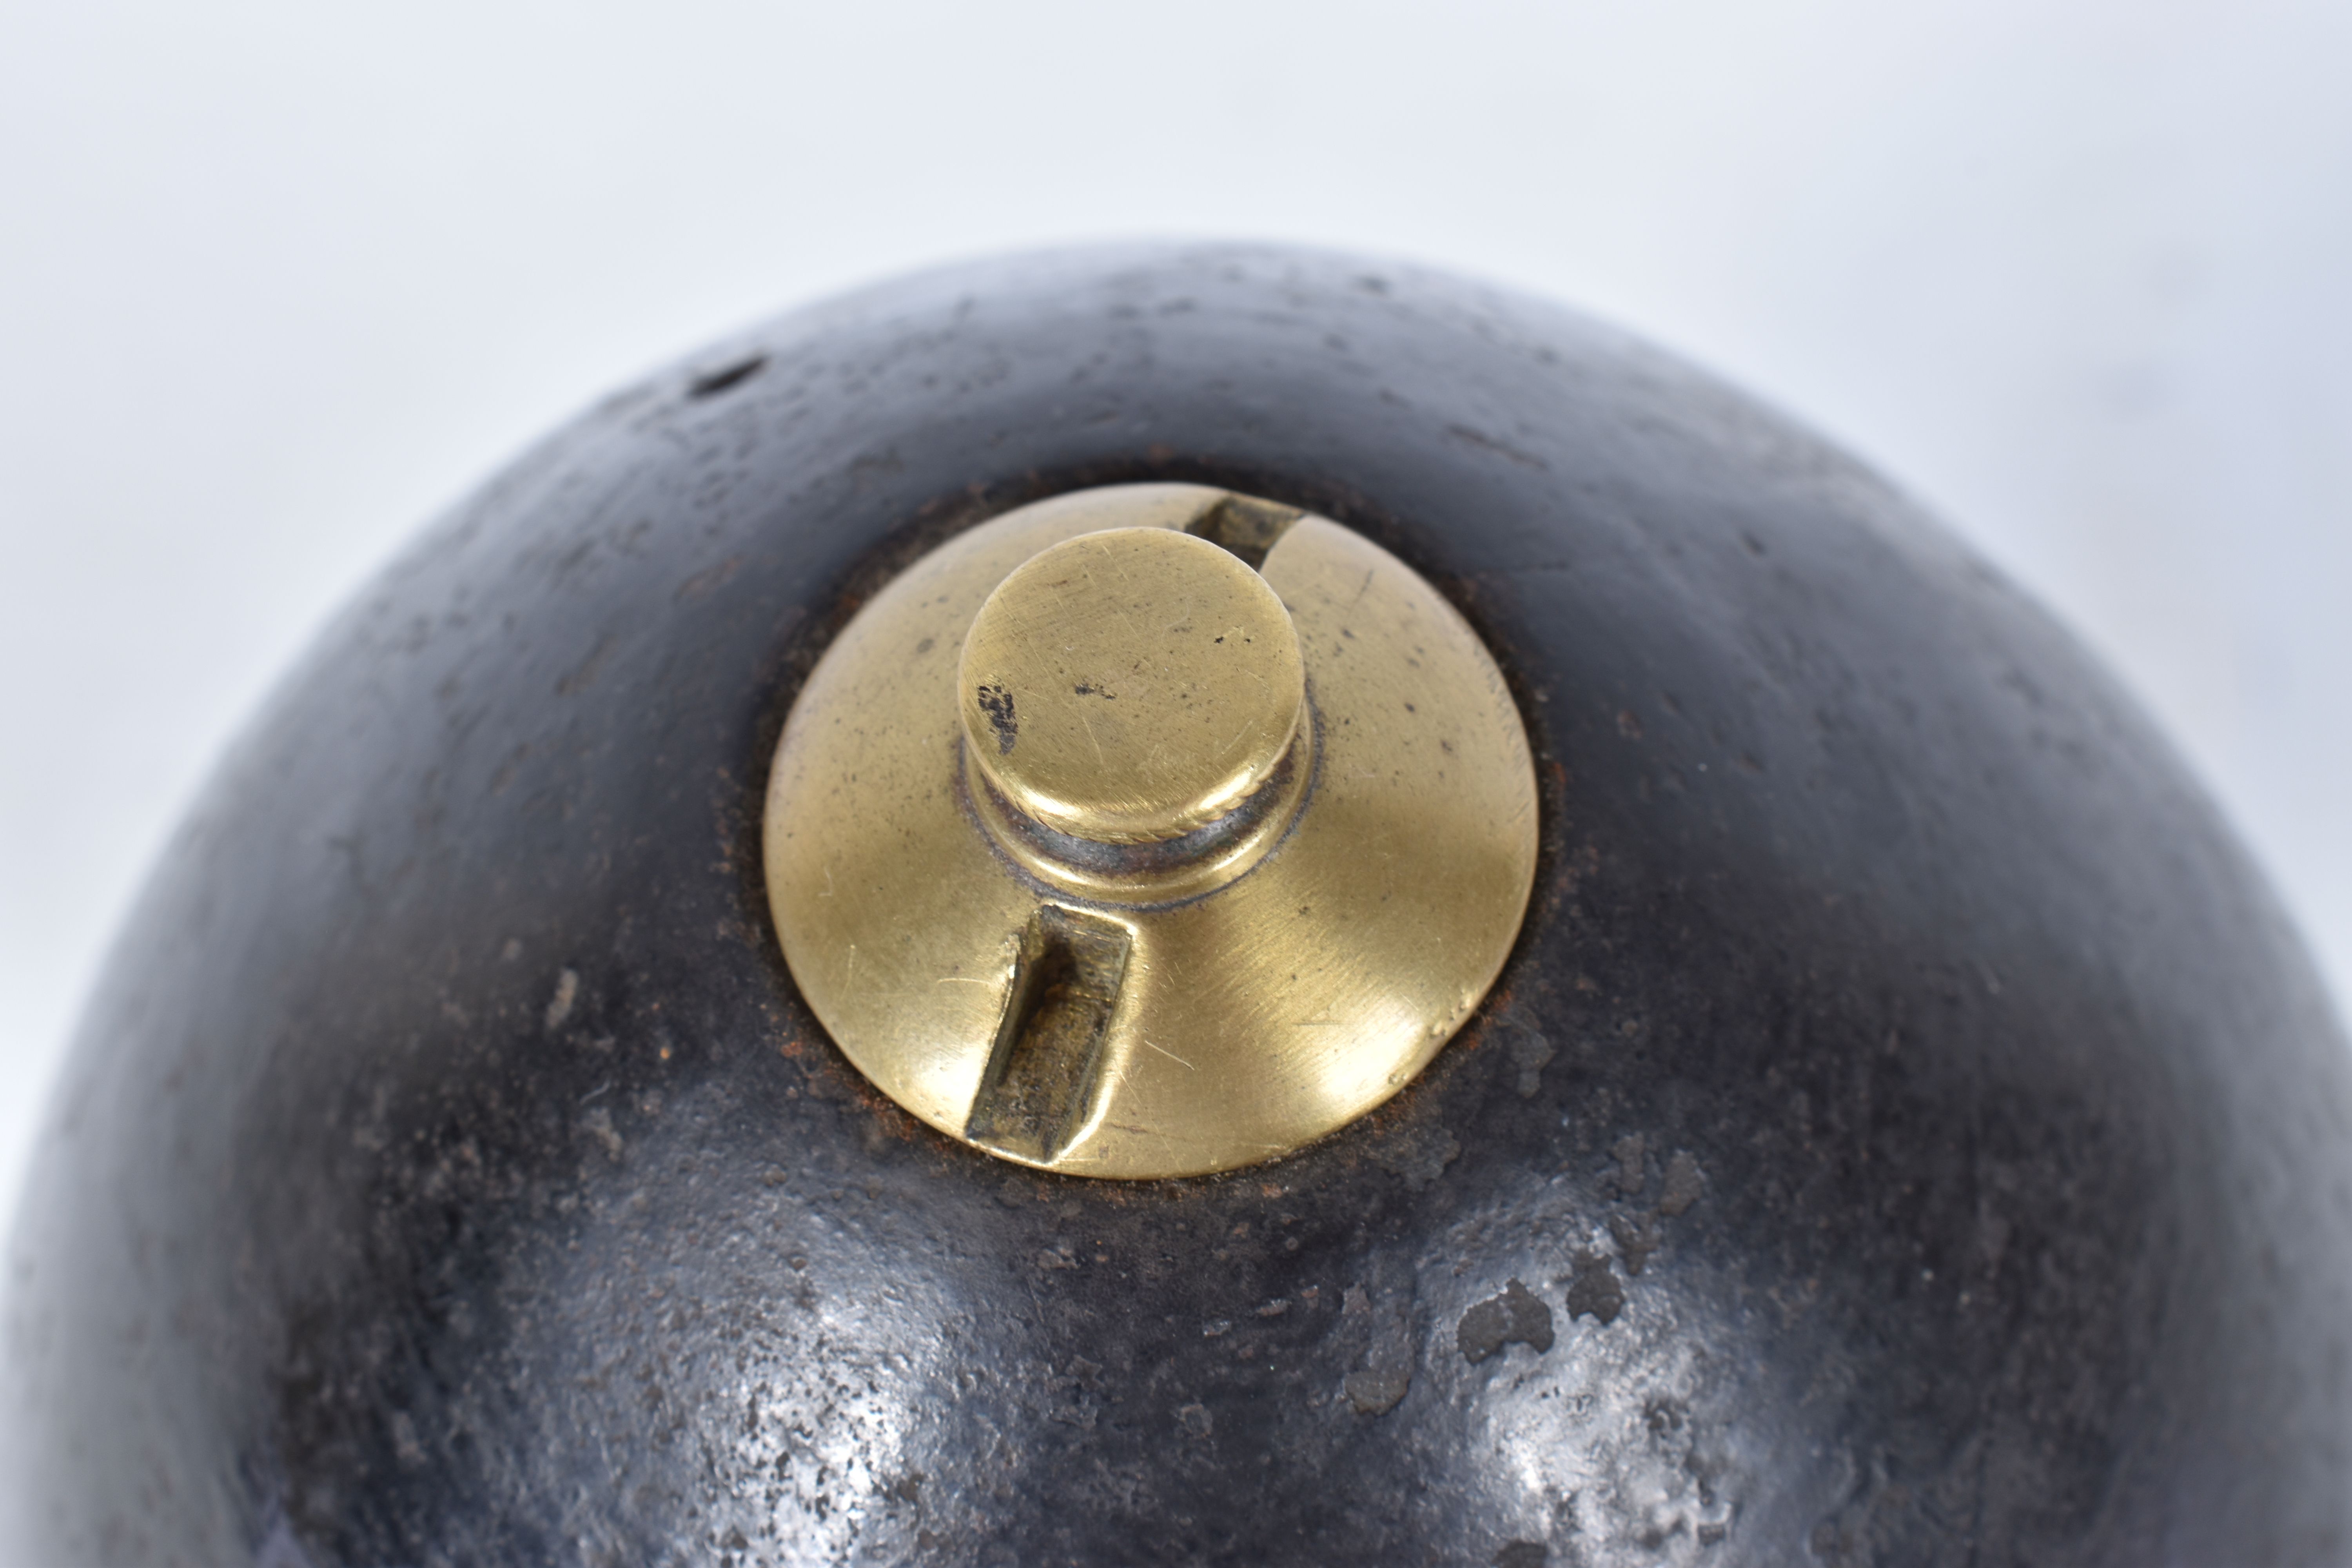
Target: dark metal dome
1907 1132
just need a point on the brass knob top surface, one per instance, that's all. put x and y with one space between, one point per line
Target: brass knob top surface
1074 881
1131 686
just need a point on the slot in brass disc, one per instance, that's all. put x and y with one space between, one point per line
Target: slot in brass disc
1149 831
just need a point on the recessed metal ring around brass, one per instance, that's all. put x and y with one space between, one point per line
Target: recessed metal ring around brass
1149 830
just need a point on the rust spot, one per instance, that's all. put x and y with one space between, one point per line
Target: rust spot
1515 1317
702 582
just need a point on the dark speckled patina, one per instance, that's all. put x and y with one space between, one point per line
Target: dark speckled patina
1907 1132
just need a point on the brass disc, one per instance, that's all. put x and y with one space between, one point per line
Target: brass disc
1169 939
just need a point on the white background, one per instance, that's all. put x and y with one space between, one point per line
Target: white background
279 280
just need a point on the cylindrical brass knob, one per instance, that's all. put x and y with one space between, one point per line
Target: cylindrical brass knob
1131 685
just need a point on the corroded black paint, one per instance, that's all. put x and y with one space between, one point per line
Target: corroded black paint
447 1172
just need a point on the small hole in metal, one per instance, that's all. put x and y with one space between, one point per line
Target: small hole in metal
727 377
